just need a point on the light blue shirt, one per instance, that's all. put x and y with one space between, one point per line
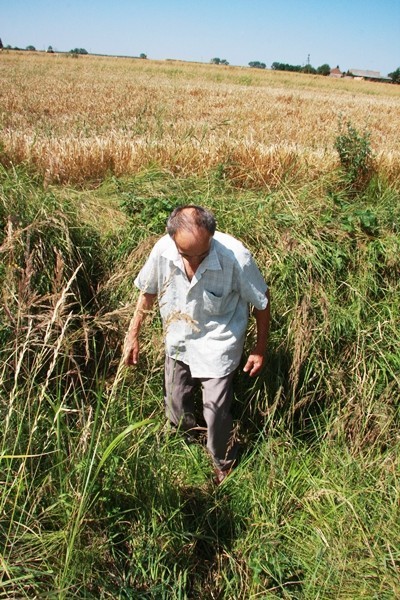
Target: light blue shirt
205 319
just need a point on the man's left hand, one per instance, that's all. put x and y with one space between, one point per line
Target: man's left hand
254 364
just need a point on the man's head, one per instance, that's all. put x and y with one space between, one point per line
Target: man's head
190 217
192 227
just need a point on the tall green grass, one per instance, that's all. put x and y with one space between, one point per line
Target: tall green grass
99 499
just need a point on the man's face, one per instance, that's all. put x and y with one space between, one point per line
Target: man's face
193 246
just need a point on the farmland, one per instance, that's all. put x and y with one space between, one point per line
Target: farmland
97 498
81 119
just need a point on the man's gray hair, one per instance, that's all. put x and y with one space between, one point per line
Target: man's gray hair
189 216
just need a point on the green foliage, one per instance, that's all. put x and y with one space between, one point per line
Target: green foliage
277 66
256 64
47 237
151 213
366 219
79 51
395 76
51 264
309 69
219 61
355 155
324 70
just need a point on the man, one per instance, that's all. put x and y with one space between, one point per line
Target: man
205 281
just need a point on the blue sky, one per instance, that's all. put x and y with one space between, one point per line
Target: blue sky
362 34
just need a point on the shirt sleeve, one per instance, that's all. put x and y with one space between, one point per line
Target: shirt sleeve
148 277
252 286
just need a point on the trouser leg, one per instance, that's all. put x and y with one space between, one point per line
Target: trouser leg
179 394
217 401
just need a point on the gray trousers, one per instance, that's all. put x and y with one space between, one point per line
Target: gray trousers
217 397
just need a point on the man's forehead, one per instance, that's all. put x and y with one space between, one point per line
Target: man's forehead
192 237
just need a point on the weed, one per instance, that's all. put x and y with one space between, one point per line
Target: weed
151 213
356 157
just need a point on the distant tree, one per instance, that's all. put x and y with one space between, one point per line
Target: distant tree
309 69
324 70
219 61
32 48
143 55
50 49
1 45
256 64
395 76
79 51
277 66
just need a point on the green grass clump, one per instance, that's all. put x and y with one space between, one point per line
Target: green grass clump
99 499
356 156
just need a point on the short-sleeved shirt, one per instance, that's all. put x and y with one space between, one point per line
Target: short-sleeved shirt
205 319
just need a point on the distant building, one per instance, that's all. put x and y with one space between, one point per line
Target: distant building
368 75
336 72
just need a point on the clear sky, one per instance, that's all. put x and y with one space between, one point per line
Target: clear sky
363 34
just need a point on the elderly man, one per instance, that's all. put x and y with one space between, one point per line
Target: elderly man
205 281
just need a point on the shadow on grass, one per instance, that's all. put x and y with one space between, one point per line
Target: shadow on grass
168 542
211 525
261 402
273 402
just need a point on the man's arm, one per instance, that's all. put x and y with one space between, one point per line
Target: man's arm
131 346
255 361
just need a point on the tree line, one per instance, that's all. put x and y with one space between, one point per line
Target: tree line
277 66
324 69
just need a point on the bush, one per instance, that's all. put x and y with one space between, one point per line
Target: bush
356 157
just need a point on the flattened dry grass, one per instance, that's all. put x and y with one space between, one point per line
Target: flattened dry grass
79 120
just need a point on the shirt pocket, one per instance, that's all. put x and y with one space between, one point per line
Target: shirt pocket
213 304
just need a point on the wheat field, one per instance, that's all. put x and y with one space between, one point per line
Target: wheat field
79 119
